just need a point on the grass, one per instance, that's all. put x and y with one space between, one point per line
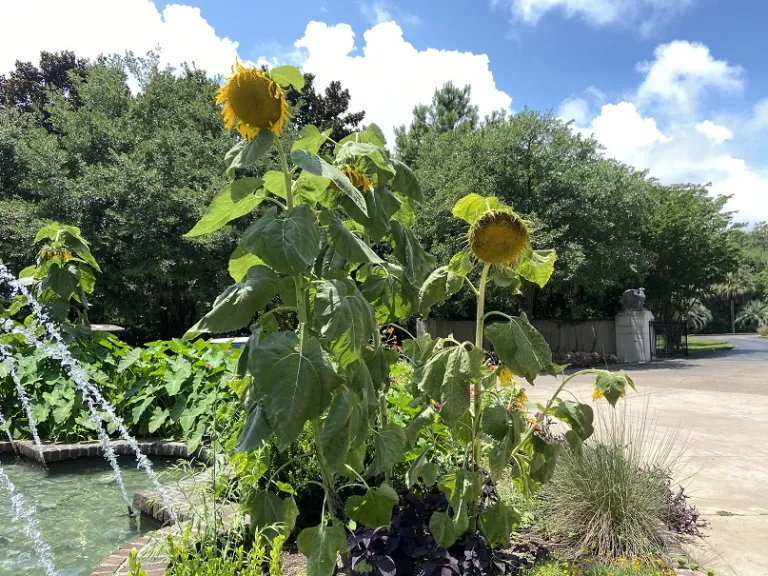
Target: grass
699 344
622 567
609 500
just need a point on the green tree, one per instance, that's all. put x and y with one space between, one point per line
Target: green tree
451 109
586 207
327 111
736 286
692 242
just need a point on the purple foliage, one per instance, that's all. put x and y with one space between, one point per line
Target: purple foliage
408 547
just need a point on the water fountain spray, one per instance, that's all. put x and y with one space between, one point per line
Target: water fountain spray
27 513
7 430
59 351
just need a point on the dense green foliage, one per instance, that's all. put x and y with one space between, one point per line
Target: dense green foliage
612 226
134 171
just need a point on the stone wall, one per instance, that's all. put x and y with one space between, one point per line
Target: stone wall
589 336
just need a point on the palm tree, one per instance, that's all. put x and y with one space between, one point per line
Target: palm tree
736 286
753 315
698 316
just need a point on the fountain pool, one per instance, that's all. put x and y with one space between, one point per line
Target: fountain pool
80 512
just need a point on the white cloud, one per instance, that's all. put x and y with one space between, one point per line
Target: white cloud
714 132
625 133
93 27
388 76
649 14
682 71
576 109
649 132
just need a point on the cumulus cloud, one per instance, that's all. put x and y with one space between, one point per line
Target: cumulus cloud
93 27
682 71
649 14
381 11
714 132
387 76
574 109
648 131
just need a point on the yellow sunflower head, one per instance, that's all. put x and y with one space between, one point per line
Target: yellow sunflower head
498 237
596 394
252 101
358 178
505 376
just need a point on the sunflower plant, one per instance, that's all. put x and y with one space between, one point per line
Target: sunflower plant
481 400
330 247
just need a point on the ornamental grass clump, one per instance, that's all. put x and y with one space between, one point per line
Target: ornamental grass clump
610 499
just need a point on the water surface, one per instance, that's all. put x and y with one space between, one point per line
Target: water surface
80 512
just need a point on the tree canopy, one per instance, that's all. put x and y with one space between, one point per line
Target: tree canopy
134 171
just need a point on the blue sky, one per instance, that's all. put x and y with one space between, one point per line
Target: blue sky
675 87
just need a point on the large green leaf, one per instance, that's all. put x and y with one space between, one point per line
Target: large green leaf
288 244
270 513
381 206
245 154
498 522
345 426
310 187
444 529
241 261
537 265
371 135
296 384
544 460
274 183
500 451
235 200
579 416
321 545
392 296
235 307
319 167
613 385
369 156
344 317
520 346
61 281
496 421
472 207
462 490
405 182
288 76
438 287
311 139
421 468
389 445
256 429
446 379
350 246
159 417
374 508
129 359
416 262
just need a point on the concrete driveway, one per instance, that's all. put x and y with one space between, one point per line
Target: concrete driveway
716 407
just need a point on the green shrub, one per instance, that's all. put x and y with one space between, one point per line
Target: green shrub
609 499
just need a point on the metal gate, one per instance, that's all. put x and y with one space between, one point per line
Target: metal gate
668 338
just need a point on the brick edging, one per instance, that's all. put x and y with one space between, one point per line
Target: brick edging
154 563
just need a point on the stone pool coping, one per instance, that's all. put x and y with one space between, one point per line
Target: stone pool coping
58 451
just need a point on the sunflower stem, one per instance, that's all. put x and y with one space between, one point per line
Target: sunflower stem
286 173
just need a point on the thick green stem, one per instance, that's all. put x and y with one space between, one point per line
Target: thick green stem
286 173
479 334
325 474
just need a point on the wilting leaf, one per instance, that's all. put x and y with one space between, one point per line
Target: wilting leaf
520 346
498 522
537 265
472 207
374 508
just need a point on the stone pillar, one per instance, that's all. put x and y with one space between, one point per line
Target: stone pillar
633 336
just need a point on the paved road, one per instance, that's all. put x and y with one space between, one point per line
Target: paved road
715 406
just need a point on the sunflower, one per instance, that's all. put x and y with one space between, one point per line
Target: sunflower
596 394
252 101
498 237
358 178
505 376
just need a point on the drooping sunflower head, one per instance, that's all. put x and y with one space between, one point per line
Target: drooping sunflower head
252 101
498 237
358 178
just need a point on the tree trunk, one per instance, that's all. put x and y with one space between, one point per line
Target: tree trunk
733 316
